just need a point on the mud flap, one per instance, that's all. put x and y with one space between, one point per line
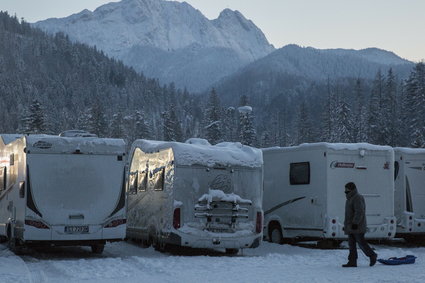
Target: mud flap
256 243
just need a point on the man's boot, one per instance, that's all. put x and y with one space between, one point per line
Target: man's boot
350 263
373 260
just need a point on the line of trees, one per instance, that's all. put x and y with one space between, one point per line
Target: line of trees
48 85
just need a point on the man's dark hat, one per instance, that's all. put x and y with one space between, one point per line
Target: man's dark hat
350 186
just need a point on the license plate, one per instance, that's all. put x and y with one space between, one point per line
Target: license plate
76 229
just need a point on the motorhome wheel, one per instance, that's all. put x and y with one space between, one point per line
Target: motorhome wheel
145 243
275 234
232 251
98 248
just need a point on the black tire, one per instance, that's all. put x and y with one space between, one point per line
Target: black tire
232 251
158 246
275 234
3 239
98 248
145 244
328 244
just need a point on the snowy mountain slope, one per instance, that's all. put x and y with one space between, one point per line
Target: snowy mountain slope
319 64
292 66
134 30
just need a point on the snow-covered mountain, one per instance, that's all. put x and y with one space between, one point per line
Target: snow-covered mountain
169 40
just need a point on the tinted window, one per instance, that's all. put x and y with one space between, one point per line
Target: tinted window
299 173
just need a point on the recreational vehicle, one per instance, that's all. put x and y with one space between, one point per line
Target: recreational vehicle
304 190
195 195
409 206
62 190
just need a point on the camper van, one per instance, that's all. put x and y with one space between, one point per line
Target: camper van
195 195
304 190
62 190
409 206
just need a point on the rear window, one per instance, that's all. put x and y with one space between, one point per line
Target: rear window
299 173
133 180
157 177
143 180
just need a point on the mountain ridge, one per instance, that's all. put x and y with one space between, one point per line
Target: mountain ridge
169 26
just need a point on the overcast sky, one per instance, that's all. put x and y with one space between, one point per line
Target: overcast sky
395 25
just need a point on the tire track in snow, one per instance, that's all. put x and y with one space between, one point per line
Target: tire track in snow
14 269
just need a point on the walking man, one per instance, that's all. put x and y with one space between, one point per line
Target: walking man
355 226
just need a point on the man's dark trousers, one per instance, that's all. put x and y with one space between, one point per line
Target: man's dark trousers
359 239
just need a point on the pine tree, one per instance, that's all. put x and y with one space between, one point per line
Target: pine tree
172 128
213 119
116 126
304 128
34 121
97 121
266 139
375 107
142 128
344 125
415 101
389 114
84 118
247 134
328 115
360 115
230 125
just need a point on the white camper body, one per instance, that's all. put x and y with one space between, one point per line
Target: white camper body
62 191
304 190
195 195
409 206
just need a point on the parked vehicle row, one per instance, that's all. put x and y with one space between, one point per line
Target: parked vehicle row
304 191
74 189
77 189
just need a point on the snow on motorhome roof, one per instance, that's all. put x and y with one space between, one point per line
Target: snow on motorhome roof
409 150
8 138
56 144
334 146
200 152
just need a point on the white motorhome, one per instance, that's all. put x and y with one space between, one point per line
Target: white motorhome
409 206
62 191
195 195
304 190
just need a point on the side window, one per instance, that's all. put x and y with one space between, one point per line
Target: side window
143 181
3 178
158 178
299 173
12 159
132 184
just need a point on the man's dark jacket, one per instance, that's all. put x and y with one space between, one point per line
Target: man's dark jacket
355 215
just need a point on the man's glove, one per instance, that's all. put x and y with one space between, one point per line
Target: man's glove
354 226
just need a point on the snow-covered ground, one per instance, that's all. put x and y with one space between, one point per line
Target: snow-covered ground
127 262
